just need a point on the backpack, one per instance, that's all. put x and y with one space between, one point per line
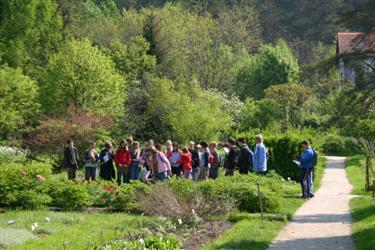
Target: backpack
314 159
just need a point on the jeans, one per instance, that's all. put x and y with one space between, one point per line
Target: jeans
134 171
161 176
214 172
90 173
204 173
311 180
306 174
244 169
187 173
229 172
124 172
72 173
176 170
195 173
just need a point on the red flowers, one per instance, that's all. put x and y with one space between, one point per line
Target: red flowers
109 188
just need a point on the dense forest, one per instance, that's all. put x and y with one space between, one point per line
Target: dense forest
182 69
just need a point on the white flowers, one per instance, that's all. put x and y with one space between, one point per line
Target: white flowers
288 178
179 221
47 219
34 226
11 222
11 151
142 241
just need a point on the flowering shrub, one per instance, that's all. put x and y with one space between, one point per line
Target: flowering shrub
23 185
102 192
12 154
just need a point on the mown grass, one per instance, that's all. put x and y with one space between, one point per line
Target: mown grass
73 230
363 207
257 234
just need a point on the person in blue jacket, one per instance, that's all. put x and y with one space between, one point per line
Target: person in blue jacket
260 156
306 161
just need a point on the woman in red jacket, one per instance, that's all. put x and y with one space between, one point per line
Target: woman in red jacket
122 160
186 162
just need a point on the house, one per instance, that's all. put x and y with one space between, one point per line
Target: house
352 42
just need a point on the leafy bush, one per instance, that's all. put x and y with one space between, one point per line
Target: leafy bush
68 195
241 188
23 185
339 145
125 198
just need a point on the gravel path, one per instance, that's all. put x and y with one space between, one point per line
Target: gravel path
323 222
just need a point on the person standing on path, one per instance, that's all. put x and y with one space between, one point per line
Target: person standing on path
196 157
306 161
71 160
91 163
260 156
214 170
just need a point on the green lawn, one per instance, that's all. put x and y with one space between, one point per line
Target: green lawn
73 230
257 234
362 208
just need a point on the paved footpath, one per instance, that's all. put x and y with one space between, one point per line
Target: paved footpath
324 221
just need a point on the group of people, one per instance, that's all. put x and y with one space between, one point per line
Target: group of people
154 162
196 161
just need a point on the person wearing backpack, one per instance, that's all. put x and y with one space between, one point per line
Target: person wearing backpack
307 167
245 158
260 156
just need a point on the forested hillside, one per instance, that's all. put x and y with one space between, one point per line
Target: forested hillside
188 69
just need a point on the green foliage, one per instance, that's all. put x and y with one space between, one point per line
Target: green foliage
291 100
18 102
29 31
339 145
240 188
10 237
150 243
82 76
23 185
125 198
132 58
259 114
68 195
238 216
272 65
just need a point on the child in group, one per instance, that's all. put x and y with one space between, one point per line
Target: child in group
186 162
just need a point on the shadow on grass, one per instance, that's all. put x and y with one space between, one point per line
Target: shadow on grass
364 238
366 210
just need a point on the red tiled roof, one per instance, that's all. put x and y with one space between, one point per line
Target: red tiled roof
355 41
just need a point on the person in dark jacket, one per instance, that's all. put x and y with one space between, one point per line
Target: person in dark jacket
71 160
245 158
107 170
214 169
231 158
195 157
